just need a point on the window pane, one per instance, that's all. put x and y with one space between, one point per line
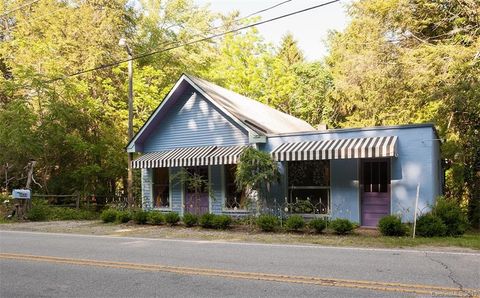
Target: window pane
309 201
199 179
234 199
161 188
367 177
375 176
309 173
384 177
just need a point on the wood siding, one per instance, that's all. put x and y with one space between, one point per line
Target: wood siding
193 121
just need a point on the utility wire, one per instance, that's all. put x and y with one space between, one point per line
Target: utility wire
108 65
18 8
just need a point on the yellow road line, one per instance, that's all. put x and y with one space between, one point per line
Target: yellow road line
330 282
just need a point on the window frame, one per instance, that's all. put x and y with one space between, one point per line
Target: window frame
291 188
224 192
169 208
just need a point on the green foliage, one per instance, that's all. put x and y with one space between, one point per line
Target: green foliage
318 224
63 213
206 220
221 222
155 218
295 223
108 215
123 216
190 219
172 218
452 216
267 222
430 225
341 226
38 213
256 171
391 225
140 217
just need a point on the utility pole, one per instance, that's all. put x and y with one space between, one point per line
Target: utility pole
123 42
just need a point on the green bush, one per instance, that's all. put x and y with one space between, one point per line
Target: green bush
391 225
342 226
206 220
38 213
63 213
295 223
452 216
190 219
123 216
430 225
222 222
155 218
267 222
140 217
318 224
109 215
172 218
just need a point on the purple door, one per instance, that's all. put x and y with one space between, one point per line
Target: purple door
375 191
196 203
196 194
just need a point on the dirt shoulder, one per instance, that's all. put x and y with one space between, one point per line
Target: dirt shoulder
360 238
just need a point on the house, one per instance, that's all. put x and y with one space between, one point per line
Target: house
360 173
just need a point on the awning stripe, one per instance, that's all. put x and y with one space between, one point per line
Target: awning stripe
190 156
369 147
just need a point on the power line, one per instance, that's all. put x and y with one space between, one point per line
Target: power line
18 8
108 65
264 10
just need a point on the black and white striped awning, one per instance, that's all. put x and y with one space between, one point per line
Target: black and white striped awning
372 147
226 155
189 157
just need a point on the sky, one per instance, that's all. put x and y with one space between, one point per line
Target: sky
309 28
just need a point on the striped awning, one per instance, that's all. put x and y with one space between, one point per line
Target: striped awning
189 157
225 155
372 147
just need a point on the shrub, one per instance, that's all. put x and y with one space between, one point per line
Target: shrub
430 225
123 216
221 222
108 215
267 222
452 216
190 219
140 217
38 213
64 213
206 220
295 223
318 224
172 218
155 218
391 225
341 226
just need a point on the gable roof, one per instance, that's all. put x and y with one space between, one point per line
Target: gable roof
250 114
254 114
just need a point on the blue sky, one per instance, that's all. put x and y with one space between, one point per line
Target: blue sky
310 28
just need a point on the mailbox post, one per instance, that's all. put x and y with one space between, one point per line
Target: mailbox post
21 197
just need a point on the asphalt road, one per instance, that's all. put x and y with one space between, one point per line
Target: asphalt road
66 265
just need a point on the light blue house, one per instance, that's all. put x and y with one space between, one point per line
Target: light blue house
361 173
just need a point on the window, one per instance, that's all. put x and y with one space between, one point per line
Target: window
375 176
309 186
234 199
161 188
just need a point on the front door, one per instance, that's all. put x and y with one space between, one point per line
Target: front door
196 191
375 190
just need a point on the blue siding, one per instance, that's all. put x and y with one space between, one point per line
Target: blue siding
193 121
344 192
417 162
217 182
176 193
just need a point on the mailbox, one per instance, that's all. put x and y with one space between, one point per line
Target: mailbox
23 194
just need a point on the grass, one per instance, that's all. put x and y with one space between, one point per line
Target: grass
241 233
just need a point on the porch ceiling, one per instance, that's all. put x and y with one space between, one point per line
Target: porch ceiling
372 147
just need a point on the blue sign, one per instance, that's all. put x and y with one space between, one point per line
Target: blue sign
23 194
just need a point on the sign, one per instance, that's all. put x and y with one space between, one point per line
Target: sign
23 194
